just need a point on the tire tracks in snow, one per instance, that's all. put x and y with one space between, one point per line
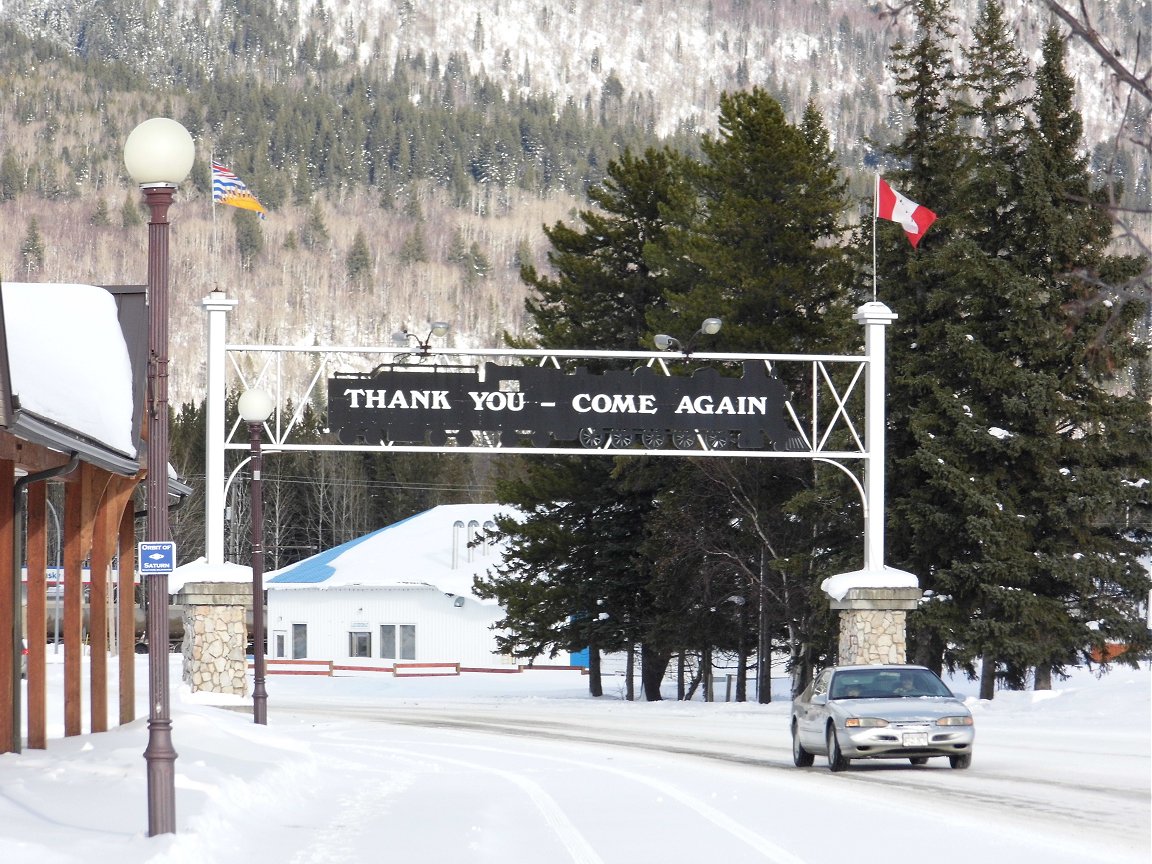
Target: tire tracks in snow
579 848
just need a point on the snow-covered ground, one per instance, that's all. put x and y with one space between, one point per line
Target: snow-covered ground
527 769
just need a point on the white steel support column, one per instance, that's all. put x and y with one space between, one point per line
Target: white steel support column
873 602
875 316
217 305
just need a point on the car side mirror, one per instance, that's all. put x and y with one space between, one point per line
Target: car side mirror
820 700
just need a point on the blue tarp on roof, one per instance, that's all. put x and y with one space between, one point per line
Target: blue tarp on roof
318 568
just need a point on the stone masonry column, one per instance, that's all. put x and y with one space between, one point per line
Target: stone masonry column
216 636
872 624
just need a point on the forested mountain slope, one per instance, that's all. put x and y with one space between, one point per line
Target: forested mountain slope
408 152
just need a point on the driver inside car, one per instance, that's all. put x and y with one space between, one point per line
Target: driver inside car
907 685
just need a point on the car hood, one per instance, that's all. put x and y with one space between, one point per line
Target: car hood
908 708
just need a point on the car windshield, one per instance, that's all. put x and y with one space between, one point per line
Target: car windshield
886 684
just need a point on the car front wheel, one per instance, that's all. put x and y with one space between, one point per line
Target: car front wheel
800 756
836 758
961 761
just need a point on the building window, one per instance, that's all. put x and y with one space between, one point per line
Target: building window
299 641
359 643
280 640
398 641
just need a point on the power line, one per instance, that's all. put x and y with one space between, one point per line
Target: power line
423 486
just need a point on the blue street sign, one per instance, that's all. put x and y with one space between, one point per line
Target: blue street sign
157 556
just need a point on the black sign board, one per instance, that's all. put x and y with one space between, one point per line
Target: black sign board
519 405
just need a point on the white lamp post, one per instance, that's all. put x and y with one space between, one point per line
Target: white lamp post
255 408
158 154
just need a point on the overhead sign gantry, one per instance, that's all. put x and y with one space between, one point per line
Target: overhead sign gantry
460 400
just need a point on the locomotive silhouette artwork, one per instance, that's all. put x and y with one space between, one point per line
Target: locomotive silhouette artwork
492 405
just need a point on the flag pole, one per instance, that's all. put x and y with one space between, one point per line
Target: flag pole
215 239
875 214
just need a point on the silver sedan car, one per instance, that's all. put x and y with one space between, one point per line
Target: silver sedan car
880 712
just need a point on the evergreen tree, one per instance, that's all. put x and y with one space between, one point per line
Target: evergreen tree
932 148
597 300
604 286
358 263
757 250
414 249
100 217
994 75
11 177
130 212
301 187
315 230
932 153
249 237
1005 438
476 265
32 248
1091 526
570 578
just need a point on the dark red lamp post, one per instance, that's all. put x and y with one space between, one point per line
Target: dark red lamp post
158 155
255 407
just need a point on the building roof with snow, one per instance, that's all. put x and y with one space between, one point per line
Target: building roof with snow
441 548
72 372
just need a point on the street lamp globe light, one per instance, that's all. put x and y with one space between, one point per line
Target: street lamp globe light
159 150
255 406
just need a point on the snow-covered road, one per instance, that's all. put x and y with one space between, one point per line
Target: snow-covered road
527 769
591 781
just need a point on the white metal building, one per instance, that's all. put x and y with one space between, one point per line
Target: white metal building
403 593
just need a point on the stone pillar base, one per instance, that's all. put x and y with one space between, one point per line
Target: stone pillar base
873 625
216 637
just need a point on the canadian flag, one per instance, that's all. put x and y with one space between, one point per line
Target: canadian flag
913 218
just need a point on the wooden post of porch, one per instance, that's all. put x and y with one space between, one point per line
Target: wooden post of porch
9 718
37 553
127 614
73 606
100 564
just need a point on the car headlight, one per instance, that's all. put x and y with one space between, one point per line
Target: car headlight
864 722
965 720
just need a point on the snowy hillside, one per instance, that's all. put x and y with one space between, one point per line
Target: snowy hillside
673 58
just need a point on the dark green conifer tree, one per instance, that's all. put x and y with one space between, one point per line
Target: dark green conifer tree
358 262
1091 522
570 580
932 155
11 177
1003 438
758 250
596 300
249 237
32 248
755 248
604 286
